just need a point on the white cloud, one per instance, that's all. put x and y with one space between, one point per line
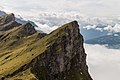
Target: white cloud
89 7
53 19
108 28
99 29
45 28
116 35
104 64
115 28
90 27
56 13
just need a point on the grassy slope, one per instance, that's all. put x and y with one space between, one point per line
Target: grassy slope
22 51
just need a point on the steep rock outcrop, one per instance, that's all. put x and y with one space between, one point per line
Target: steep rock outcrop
6 19
65 59
59 55
9 26
13 37
8 22
18 32
27 29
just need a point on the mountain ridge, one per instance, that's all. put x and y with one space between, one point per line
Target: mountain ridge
30 56
110 41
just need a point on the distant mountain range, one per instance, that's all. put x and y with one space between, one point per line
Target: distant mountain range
92 33
91 28
110 41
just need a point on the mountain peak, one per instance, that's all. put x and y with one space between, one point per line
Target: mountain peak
59 55
72 24
9 17
28 24
8 22
11 14
27 29
67 29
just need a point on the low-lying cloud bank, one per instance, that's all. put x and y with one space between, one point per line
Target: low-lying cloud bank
104 64
49 21
53 19
45 28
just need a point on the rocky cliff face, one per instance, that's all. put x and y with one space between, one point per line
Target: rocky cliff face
59 55
8 22
65 59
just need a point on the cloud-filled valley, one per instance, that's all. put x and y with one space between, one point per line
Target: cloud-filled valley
104 63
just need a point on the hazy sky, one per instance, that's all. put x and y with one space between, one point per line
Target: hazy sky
88 7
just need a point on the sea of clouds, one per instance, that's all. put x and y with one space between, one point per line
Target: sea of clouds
48 21
104 63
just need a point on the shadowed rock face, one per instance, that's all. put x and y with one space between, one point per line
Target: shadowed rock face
8 22
27 29
65 59
60 54
8 18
